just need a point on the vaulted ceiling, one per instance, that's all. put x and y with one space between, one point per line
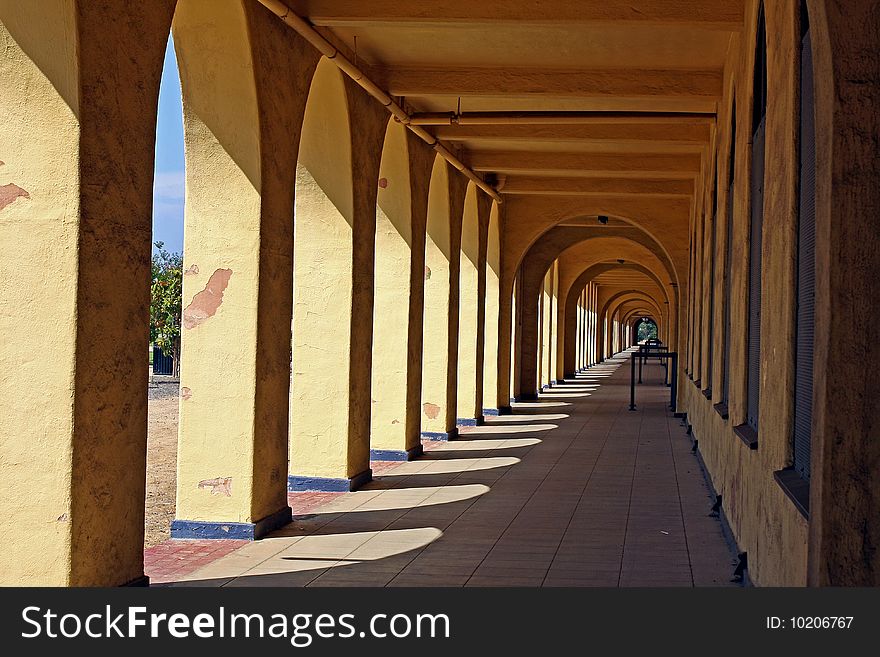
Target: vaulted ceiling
563 97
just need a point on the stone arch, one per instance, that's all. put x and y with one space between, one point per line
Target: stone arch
605 333
567 343
534 266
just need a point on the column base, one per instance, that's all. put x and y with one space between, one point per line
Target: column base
505 410
526 397
440 435
396 454
467 422
493 412
247 531
300 483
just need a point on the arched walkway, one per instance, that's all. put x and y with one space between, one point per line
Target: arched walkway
617 496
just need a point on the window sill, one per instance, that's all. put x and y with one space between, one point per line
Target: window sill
748 435
721 409
796 488
707 393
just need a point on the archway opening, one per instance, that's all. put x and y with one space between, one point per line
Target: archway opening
646 329
165 308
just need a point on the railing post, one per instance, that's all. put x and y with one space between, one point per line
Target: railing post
674 389
632 383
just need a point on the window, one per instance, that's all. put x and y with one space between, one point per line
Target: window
806 263
710 346
749 431
721 407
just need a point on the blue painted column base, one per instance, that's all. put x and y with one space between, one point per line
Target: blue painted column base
493 412
467 422
247 531
396 454
301 484
440 435
505 410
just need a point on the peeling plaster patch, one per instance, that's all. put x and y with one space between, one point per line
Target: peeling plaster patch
10 192
206 302
185 393
191 270
383 183
431 410
63 516
218 486
427 273
2 163
395 421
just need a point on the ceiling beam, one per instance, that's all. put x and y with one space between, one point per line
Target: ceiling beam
622 131
708 14
700 84
679 165
598 187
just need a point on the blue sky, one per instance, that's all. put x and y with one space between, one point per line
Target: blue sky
168 183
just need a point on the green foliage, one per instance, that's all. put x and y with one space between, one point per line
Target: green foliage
165 300
647 331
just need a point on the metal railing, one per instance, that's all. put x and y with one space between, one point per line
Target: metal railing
671 379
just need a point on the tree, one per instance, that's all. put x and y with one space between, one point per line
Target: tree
166 302
647 330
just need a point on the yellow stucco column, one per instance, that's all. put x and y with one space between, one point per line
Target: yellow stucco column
469 343
578 346
513 370
397 324
582 330
492 315
554 324
546 332
440 350
238 242
334 239
589 332
593 327
79 86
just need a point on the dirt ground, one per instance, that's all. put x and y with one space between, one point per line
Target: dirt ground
161 462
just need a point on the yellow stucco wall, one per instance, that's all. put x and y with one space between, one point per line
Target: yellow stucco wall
37 448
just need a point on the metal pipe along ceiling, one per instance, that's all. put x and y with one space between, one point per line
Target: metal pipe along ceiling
305 30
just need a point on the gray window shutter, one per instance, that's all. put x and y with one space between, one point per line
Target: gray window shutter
756 224
728 263
710 350
803 397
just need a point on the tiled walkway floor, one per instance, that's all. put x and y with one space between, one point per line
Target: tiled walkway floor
572 490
